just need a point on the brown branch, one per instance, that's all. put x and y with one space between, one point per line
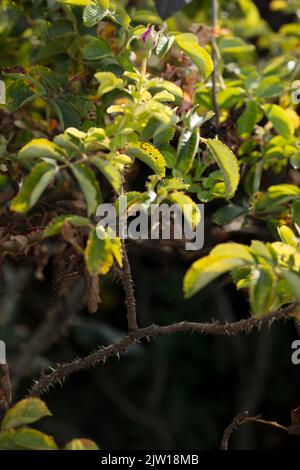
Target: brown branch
62 371
243 418
129 292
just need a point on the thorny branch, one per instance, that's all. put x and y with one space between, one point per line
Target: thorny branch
64 370
129 292
243 418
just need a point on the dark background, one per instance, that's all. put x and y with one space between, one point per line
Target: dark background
178 392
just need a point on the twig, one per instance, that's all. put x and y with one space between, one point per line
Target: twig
243 418
214 19
62 371
129 292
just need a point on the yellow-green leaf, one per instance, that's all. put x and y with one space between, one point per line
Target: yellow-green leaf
280 119
228 164
56 224
232 250
89 185
293 280
108 82
81 444
262 291
25 411
205 270
111 172
197 54
101 252
150 155
34 185
187 149
41 148
247 120
31 439
188 207
287 236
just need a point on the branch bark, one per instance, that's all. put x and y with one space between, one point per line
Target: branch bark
243 418
63 371
129 291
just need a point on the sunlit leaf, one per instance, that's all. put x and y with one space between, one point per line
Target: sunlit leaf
25 411
33 186
150 155
227 163
89 186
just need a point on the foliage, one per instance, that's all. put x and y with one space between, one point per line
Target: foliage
104 99
15 434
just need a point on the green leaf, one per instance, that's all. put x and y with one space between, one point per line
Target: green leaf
279 119
164 96
226 214
227 163
66 113
26 439
101 252
233 250
163 44
150 155
95 49
295 160
89 186
57 223
160 84
41 148
33 186
163 138
287 236
293 280
205 270
235 46
110 171
81 444
296 214
81 3
188 43
230 97
25 411
94 13
188 207
153 127
18 94
262 290
269 87
187 149
247 120
108 82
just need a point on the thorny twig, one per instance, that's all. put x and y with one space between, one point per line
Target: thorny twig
129 292
243 418
64 370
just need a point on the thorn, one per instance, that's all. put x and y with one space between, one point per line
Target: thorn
270 322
